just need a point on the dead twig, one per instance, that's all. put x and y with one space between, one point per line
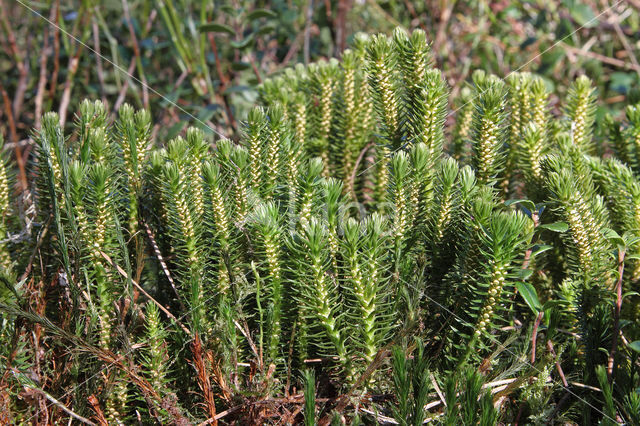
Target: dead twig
247 334
623 38
125 86
602 58
95 405
9 113
22 174
445 17
307 32
341 26
56 49
220 415
437 389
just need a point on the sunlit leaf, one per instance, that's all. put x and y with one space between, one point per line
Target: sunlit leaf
216 28
556 227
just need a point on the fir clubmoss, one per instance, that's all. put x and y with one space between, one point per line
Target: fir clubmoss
345 231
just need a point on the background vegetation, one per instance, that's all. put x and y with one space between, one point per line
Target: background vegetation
113 209
207 57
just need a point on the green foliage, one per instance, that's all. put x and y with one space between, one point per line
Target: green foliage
338 248
6 183
580 109
411 385
488 127
309 398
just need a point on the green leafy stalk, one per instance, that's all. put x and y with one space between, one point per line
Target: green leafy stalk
430 112
134 133
363 249
580 108
309 398
6 263
255 140
277 132
318 293
269 234
219 225
381 62
488 135
463 126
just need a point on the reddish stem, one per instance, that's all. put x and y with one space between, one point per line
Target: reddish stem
534 337
616 314
558 367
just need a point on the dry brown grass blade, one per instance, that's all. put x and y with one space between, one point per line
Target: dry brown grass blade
95 405
203 378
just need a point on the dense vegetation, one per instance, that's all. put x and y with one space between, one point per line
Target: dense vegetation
349 260
181 59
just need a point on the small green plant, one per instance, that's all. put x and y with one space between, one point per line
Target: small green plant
345 239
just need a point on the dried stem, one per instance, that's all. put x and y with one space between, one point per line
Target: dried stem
72 69
534 336
616 314
99 68
558 367
136 53
22 174
56 50
18 59
42 79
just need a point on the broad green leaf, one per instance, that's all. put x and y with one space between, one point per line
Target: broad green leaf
229 10
556 227
242 43
622 82
260 13
216 28
266 29
635 345
552 304
610 233
529 294
528 204
550 59
240 66
237 89
175 129
538 249
525 273
613 237
583 15
206 113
